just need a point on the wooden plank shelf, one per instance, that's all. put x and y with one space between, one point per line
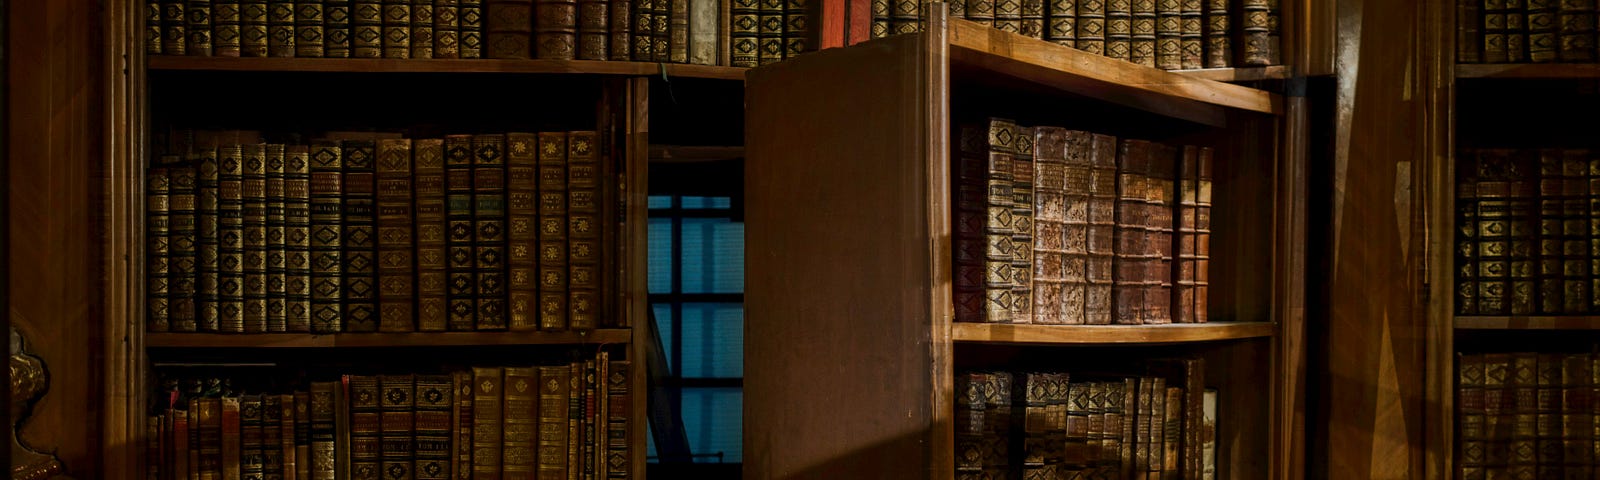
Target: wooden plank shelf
379 340
1529 70
1238 74
1107 334
1572 322
392 65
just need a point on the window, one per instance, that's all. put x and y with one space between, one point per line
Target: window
696 281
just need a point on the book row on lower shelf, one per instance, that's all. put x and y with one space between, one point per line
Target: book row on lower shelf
566 421
365 232
1527 415
1528 231
1165 34
675 31
1538 31
1057 226
1051 425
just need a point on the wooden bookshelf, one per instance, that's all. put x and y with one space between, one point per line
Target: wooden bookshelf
1239 74
1107 334
1528 70
1577 322
381 340
452 66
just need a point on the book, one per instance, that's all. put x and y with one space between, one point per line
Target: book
1169 34
522 208
969 413
620 24
336 29
1218 45
999 421
231 248
207 231
433 422
660 33
1159 200
321 430
1494 31
555 29
1574 253
1172 434
297 238
366 28
267 28
554 405
489 219
182 269
1142 32
277 230
1594 231
1577 418
880 19
508 28
302 434
770 33
422 43
980 11
1575 29
271 437
1188 375
174 28
1079 433
327 237
366 427
207 438
1008 15
254 185
1469 31
678 31
446 29
583 230
232 439
359 248
1032 19
395 248
158 183
1516 14
199 18
644 25
486 422
969 240
460 232
288 462
152 27
1208 432
1253 41
1131 265
471 39
1114 417
1190 35
1548 444
744 31
1022 175
1523 209
396 41
593 35
1493 227
1542 39
1466 234
1274 33
226 28
618 404
1185 236
1054 288
796 28
397 426
1118 28
1524 390
553 255
1101 248
522 386
307 19
431 253
1061 22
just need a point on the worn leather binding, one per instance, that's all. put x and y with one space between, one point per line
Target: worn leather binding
158 269
744 32
336 28
1274 33
553 255
509 28
471 36
618 404
231 28
1466 247
1576 30
1186 241
1493 228
1118 28
396 29
461 418
520 425
366 28
446 29
1098 272
277 230
152 27
489 219
360 250
202 23
230 281
396 300
1577 418
1022 178
255 236
1130 265
1050 257
905 18
207 229
660 29
1189 34
796 29
1111 426
584 245
1160 201
1169 34
1516 14
770 34
397 426
1061 22
174 27
1079 188
266 28
422 29
970 244
522 202
431 230
297 238
432 427
554 404
1253 41
620 23
327 234
880 18
1189 374
460 233
593 37
1142 32
1574 273
487 419
1218 41
1202 235
678 31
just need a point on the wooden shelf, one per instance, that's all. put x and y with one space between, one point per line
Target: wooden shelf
1239 74
371 340
1529 70
1578 322
390 65
1107 334
1174 94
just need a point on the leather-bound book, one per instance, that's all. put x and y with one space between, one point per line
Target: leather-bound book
1469 32
321 430
520 440
431 451
446 29
460 233
232 439
509 28
1188 373
1142 454
880 18
1185 245
1189 34
1129 439
289 461
1494 31
969 412
980 11
421 29
1594 231
397 425
336 29
1493 228
553 231
1112 418
1078 186
254 184
678 31
1169 31
1118 28
796 28
1575 28
486 422
327 237
1524 209
152 27
489 218
1172 434
1547 423
230 225
904 16
620 30
644 25
1008 15
1253 41
360 311
1274 33
999 422
1524 432
1001 270
174 27
1466 247
660 29
1079 451
277 273
365 446
770 34
1038 452
1142 32
1098 268
428 184
1577 418
554 393
522 220
182 273
200 18
395 247
970 243
266 28
1032 22
1130 265
308 29
271 424
584 245
227 29
574 419
1470 448
471 36
618 404
555 29
1022 225
1050 201
1218 36
207 230
744 32
1516 31
158 183
461 425
206 437
366 28
297 238
1574 253
1158 233
593 21
1061 22
1543 42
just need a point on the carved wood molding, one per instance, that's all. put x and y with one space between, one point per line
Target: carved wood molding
29 382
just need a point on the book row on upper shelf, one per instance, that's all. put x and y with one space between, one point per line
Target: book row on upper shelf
1527 231
366 232
1057 226
1527 415
1539 31
1165 34
1054 425
568 421
674 31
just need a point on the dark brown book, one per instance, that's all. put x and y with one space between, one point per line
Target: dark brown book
1594 231
307 29
1575 29
471 36
397 426
1118 28
1087 267
584 245
880 18
770 34
1008 15
553 257
1523 207
1253 41
1516 13
432 419
158 269
232 439
174 27
1022 176
678 31
359 282
366 28
446 29
1131 265
1469 32
1494 31
618 404
1169 34
1577 419
522 385
1000 227
203 19
1217 32
969 413
1031 23
460 232
327 234
267 28
336 29
1542 39
321 430
1051 287
903 15
277 273
461 424
486 422
1522 382
508 28
1160 202
254 185
1033 437
1466 296
1142 454
271 453
574 419
207 231
555 29
1574 253
421 29
1493 229
796 30
1142 30
970 217
593 35
231 250
206 437
489 219
1470 448
395 249
1172 434
1061 22
1189 374
1112 423
1547 422
1190 34
152 27
432 272
182 265
366 427
554 394
1080 451
620 29
1185 237
644 25
660 41
297 238
744 32
979 11
289 461
1274 33
522 220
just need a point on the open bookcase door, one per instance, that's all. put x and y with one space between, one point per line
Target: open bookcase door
665 400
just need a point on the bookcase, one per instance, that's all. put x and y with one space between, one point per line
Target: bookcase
852 354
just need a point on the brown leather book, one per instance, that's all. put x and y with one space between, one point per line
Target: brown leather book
1130 265
999 421
1098 269
880 18
1576 30
584 245
1524 209
1080 410
1547 420
770 34
904 16
322 430
271 437
230 283
289 461
980 11
1118 30
486 422
660 30
205 19
970 243
431 253
1274 33
267 28
1470 417
593 35
796 27
1061 22
1172 433
254 209
366 28
509 28
1493 228
1574 252
620 28
1469 32
175 27
1577 419
336 29
1008 15
446 29
520 442
1185 242
1161 201
1080 188
1218 41
553 257
460 232
969 413
1189 374
678 31
1516 13
1022 175
1051 289
421 26
471 18
1543 42
359 282
1169 31
554 403
158 183
397 426
395 282
1494 31
1111 425
1202 236
1031 23
1522 382
618 405
644 25
1253 41
229 32
1594 230
182 273
555 29
1038 451
396 29
461 419
1142 32
232 439
1466 296
152 27
489 218
1189 34
365 446
433 421
1143 456
522 202
277 273
207 231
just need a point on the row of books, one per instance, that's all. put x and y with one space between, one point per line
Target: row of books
366 232
1528 231
1057 226
1165 34
489 423
1538 31
676 31
1527 415
1050 425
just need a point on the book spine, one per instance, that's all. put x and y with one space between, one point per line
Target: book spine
1118 30
199 19
1524 433
288 460
1031 23
1172 435
396 286
1547 422
365 444
1129 264
344 428
1169 34
1162 204
489 218
1542 39
446 29
461 232
360 289
1494 31
228 28
486 423
1101 153
522 208
207 241
158 248
327 222
521 420
1000 265
157 436
770 34
1111 429
1008 16
1577 421
1141 450
1516 12
421 25
1594 230
643 31
471 16
397 426
599 417
461 425
509 28
1142 33
297 238
1022 178
620 28
205 439
366 28
321 431
1274 33
254 184
1493 227
1062 23
268 28
1470 417
1131 415
744 31
232 439
1574 273
555 28
593 22
175 27
301 436
231 275
969 412
1467 233
271 453
678 31
1575 29
1202 237
1524 211
553 258
660 29
308 29
432 274
1052 262
277 230
998 421
554 392
1253 39
618 404
796 28
1218 44
336 29
1079 409
1469 32
591 399
1189 35
432 419
583 230
880 20
152 27
970 241
1183 302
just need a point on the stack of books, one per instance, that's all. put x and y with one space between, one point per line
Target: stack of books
1536 31
1526 415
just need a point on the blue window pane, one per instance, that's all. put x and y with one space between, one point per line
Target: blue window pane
650 443
713 340
664 320
660 201
712 419
660 255
707 202
713 256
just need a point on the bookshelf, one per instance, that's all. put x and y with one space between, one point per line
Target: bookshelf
851 351
385 340
383 65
